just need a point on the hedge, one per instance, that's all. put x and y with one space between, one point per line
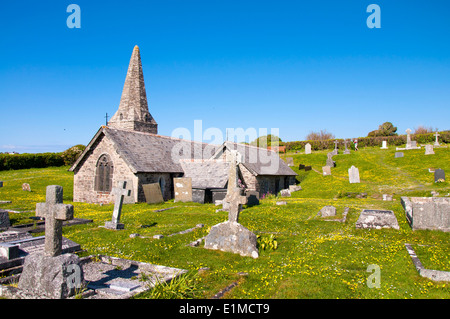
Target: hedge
369 141
21 161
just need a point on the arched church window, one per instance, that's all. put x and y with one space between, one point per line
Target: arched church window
104 174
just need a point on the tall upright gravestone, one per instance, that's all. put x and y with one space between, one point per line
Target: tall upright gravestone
439 175
182 189
119 193
353 175
308 148
346 150
51 274
153 194
230 235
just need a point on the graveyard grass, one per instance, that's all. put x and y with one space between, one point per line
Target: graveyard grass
313 259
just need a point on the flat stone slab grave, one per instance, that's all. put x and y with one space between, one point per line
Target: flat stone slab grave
25 245
116 278
372 218
39 226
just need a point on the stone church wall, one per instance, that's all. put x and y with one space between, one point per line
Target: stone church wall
84 176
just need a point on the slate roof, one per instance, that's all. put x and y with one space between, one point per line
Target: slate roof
206 174
152 153
259 161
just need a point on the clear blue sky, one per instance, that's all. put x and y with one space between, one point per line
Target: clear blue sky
299 66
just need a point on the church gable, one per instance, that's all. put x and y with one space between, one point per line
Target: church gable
99 170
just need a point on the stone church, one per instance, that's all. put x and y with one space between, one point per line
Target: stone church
130 149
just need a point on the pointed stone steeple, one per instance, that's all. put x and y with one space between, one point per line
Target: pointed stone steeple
133 111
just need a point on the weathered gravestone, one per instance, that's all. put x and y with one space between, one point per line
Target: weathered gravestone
436 143
398 154
290 161
55 212
429 150
119 193
52 277
26 187
153 194
427 212
328 211
330 161
408 139
294 188
183 189
236 200
326 170
285 193
346 151
439 175
230 235
301 166
252 197
307 148
51 274
353 175
335 151
372 218
4 219
308 168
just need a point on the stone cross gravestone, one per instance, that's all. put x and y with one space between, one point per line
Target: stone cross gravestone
346 151
230 235
384 145
330 161
439 175
153 194
335 151
119 193
54 212
235 200
429 150
436 143
182 189
233 172
353 175
408 138
308 148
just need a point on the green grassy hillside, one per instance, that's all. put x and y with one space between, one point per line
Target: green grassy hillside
313 259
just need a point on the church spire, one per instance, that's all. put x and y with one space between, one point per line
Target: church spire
133 111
